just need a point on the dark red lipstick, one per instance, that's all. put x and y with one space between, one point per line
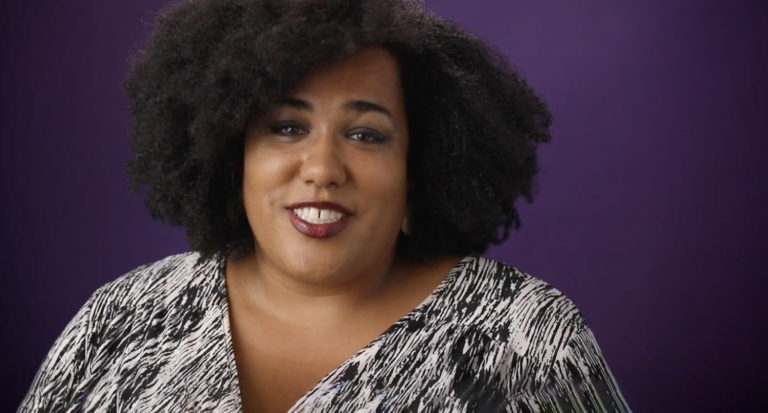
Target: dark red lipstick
319 230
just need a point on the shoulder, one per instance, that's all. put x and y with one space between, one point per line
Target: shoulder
162 278
162 293
508 296
528 317
152 306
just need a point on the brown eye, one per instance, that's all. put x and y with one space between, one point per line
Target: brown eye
366 136
288 129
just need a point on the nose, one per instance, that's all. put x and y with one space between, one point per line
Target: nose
323 165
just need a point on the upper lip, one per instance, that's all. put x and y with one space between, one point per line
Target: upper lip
320 205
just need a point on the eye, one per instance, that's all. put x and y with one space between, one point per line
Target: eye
366 136
288 129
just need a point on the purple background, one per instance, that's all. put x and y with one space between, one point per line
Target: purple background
651 214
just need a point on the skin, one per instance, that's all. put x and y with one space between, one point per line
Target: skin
300 306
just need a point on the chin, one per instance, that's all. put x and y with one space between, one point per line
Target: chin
327 261
318 270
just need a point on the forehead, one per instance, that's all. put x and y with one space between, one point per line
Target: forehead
371 73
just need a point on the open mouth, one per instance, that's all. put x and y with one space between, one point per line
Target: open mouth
318 219
317 215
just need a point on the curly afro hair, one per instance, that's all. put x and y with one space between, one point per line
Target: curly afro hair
210 66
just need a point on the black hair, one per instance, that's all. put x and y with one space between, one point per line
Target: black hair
210 65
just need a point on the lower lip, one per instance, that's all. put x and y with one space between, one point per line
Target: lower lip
317 230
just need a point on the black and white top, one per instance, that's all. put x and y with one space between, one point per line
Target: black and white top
488 338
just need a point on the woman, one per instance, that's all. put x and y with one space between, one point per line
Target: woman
338 165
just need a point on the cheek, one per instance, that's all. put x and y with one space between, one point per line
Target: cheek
264 176
386 182
260 159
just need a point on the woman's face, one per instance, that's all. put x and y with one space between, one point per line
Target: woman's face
324 183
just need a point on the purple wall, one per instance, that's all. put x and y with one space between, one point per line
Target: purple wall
651 213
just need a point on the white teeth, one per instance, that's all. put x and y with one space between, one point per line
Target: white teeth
318 216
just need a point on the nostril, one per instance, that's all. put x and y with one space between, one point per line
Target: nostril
323 168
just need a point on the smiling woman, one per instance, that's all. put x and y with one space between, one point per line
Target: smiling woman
339 166
337 146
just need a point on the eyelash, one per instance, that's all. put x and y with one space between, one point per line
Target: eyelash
368 136
373 136
280 129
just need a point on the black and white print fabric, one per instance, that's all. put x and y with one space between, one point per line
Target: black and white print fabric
488 338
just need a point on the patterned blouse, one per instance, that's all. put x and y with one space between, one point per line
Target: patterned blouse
488 338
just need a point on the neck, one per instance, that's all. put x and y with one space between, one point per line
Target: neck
317 298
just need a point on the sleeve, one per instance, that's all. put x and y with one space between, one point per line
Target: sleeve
57 384
579 381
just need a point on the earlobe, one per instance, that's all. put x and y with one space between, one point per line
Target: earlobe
406 225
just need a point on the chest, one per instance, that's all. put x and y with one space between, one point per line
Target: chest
277 365
443 369
273 377
279 362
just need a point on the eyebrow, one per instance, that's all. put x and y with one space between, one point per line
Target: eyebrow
366 106
354 105
296 103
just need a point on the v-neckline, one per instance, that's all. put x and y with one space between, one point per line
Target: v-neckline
221 277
